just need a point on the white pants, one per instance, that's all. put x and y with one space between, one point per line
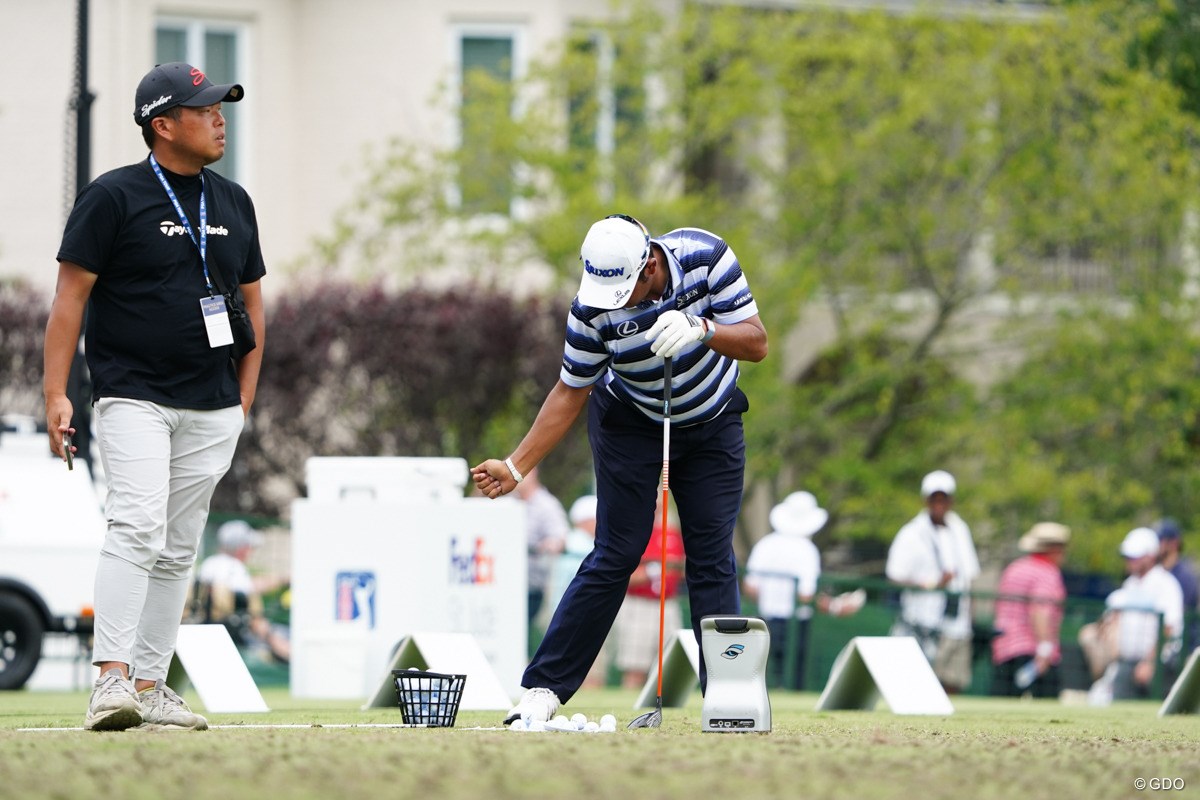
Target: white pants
162 466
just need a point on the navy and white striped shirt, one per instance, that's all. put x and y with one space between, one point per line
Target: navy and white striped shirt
609 348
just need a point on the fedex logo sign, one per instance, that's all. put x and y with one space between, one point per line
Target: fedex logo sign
472 564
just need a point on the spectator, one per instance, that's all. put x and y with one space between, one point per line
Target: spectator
1148 592
546 528
226 593
636 625
580 541
933 557
1029 613
1170 555
783 567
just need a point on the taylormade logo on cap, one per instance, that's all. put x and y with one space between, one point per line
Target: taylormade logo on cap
613 253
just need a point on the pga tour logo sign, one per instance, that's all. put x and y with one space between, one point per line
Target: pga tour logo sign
354 598
471 564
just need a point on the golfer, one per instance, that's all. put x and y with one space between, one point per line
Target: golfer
641 300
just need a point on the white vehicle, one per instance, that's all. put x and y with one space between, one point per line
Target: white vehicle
51 529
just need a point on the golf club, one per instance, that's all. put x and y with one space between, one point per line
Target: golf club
653 719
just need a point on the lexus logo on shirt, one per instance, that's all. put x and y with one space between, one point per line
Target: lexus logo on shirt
627 328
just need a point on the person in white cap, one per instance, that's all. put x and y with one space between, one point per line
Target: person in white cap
1029 614
782 569
680 296
164 256
933 556
1148 595
226 593
579 542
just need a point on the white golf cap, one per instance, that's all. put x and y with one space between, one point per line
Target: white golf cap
613 253
1139 543
236 534
938 481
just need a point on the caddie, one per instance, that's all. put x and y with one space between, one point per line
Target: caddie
642 299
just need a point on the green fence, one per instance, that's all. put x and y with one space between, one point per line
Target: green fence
827 635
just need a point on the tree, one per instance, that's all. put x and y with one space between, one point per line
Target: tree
354 370
907 171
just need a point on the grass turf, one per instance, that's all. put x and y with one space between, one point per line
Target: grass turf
989 748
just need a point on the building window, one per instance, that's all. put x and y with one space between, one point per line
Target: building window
490 61
606 111
217 49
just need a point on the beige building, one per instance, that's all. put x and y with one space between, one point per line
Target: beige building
326 81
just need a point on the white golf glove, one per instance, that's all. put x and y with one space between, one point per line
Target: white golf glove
674 331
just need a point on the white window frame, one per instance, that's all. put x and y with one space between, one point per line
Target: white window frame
518 34
194 29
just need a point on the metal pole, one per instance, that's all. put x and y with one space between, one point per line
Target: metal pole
79 384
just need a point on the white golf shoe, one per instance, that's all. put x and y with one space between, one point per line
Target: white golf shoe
114 705
162 707
536 705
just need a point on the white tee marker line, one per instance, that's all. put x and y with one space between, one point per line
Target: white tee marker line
287 726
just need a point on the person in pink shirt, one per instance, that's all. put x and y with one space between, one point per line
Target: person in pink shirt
1029 613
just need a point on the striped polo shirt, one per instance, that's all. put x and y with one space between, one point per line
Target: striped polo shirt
1026 581
609 348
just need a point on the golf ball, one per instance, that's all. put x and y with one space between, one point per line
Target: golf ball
609 721
592 727
537 725
579 721
517 725
561 720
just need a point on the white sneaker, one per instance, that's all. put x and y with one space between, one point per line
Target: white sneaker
536 705
162 707
114 705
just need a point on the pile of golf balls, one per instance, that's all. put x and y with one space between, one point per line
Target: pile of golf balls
578 723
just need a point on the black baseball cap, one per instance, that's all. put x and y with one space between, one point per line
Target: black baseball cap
178 84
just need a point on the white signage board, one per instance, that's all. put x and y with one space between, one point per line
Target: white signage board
891 667
681 672
368 573
214 666
1184 697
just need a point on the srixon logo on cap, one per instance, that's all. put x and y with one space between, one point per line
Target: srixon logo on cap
601 272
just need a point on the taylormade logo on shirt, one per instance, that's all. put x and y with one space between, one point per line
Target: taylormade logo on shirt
175 229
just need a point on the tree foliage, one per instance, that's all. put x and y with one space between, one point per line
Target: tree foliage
355 370
23 315
907 173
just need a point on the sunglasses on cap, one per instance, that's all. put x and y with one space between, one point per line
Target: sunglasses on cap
642 228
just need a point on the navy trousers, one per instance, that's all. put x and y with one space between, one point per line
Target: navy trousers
708 463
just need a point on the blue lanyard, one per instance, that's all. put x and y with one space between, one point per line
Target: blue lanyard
202 244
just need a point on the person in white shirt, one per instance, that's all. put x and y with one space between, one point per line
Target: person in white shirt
226 593
1150 592
782 569
933 556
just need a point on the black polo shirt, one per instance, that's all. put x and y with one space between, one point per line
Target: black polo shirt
145 336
